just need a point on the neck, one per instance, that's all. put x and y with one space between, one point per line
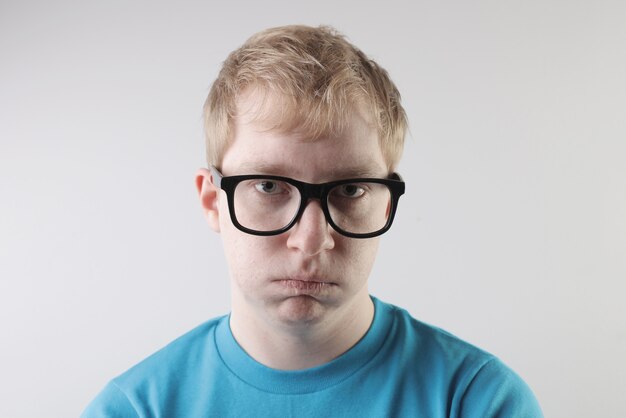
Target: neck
301 345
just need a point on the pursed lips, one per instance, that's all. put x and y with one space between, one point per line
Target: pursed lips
305 283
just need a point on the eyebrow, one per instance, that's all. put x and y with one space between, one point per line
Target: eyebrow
339 173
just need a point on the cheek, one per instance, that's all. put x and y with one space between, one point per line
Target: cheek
368 254
357 257
249 257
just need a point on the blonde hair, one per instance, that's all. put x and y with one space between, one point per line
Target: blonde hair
319 79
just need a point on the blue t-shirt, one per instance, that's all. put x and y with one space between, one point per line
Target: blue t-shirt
400 368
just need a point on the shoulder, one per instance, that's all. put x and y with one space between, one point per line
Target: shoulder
110 402
474 382
185 351
176 365
496 390
434 343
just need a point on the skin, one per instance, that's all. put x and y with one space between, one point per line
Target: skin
299 299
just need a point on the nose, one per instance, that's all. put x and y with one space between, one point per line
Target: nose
311 234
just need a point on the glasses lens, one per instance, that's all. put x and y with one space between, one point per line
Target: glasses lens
265 205
360 208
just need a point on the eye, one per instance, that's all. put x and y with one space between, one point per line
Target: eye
350 190
269 187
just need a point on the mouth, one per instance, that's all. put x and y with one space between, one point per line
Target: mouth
305 286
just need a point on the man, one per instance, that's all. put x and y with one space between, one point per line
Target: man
303 135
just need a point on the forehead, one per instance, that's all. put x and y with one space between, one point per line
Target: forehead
268 108
264 141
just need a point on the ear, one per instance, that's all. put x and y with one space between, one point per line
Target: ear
209 198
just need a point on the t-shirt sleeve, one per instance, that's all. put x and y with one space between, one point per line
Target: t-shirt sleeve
110 403
498 392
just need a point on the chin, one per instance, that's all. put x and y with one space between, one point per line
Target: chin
300 310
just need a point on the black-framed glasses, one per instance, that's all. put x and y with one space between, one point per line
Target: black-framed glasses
270 205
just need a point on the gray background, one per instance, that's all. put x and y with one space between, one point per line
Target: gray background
512 234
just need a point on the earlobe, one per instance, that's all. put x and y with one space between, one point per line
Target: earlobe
209 198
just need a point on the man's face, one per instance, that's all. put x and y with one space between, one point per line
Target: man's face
309 272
